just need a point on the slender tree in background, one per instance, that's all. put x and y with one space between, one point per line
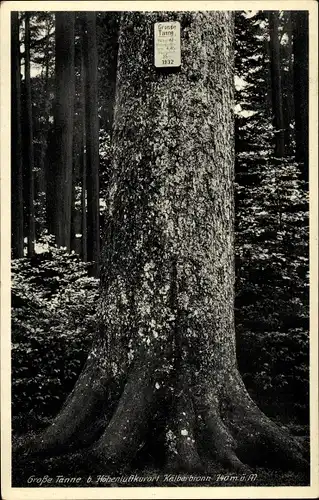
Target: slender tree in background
163 366
74 213
277 103
59 190
287 83
301 88
266 53
29 160
107 39
16 142
46 98
92 140
83 155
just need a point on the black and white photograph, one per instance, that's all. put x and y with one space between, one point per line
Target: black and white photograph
159 173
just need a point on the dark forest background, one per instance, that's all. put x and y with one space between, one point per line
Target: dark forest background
63 93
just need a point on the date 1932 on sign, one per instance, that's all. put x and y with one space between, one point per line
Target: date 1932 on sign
167 44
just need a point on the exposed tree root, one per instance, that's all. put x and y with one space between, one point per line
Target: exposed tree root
240 433
259 437
79 420
212 420
123 435
184 424
219 442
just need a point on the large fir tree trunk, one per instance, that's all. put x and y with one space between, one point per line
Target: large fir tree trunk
59 191
277 104
164 358
300 50
16 142
92 141
29 143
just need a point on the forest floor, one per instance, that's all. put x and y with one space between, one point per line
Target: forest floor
51 475
59 472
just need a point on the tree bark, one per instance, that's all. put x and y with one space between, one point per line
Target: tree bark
92 141
301 88
167 335
277 104
29 142
59 193
16 142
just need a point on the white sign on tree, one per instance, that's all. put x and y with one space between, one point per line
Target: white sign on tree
167 44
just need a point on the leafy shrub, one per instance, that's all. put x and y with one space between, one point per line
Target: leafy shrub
53 320
272 286
275 368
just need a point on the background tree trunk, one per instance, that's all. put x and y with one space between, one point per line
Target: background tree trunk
74 213
165 354
60 190
277 104
300 51
83 155
44 131
289 96
16 144
92 141
29 142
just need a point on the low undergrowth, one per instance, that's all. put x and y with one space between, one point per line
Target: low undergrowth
52 322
